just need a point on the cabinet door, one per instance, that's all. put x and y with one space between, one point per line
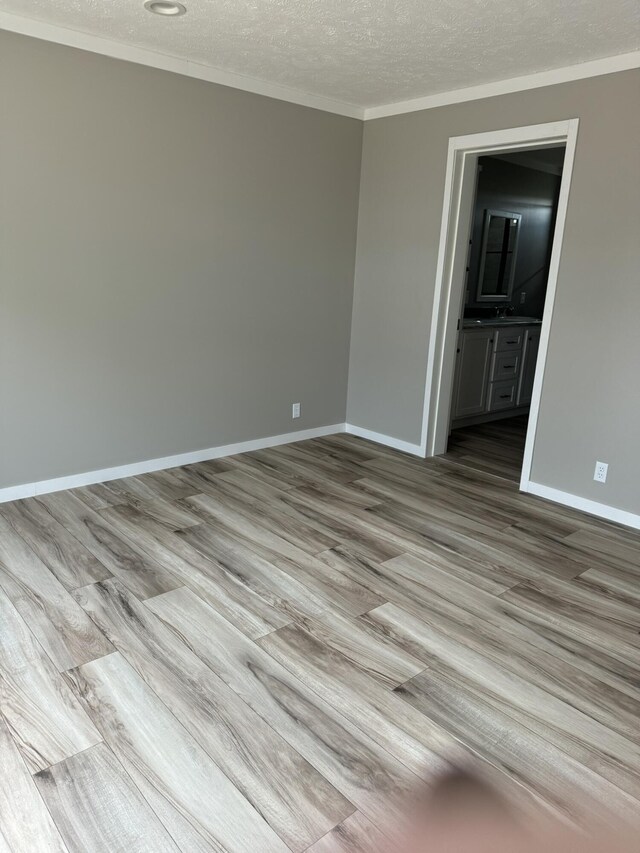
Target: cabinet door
475 349
530 357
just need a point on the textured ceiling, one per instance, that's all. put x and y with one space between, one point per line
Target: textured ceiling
364 52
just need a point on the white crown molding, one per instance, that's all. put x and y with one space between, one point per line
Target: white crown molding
610 513
154 59
104 475
387 440
594 68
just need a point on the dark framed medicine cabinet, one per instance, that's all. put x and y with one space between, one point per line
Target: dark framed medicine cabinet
498 255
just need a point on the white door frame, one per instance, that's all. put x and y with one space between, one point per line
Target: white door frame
454 234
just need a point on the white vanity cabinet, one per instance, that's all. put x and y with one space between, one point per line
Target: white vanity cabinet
495 366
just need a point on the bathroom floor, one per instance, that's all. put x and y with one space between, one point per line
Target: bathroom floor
496 447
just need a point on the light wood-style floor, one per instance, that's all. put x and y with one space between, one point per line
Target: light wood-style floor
270 652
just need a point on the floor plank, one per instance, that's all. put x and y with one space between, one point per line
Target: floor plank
224 587
45 720
25 823
614 583
282 591
432 498
252 532
578 792
606 548
198 805
598 700
356 834
372 652
362 700
245 499
608 639
439 594
168 513
297 802
18 646
353 761
592 743
66 633
576 602
130 564
70 562
307 586
97 807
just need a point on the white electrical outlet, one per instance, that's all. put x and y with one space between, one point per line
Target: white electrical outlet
600 474
295 410
523 297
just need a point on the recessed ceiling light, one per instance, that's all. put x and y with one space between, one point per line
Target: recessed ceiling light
165 7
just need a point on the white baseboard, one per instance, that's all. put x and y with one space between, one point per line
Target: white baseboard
610 513
43 487
388 440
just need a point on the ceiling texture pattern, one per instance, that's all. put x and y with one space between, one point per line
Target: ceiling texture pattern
363 52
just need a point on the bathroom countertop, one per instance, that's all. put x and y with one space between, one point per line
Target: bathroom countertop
473 323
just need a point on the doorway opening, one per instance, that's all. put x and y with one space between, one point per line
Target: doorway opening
505 204
512 224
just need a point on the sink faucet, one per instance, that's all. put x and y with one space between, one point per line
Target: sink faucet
503 310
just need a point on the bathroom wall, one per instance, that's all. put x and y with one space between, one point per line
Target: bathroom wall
503 185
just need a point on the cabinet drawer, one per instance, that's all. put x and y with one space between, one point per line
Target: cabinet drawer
506 365
502 395
509 339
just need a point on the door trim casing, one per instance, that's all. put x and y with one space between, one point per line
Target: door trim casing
456 222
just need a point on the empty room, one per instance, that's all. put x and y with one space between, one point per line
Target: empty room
319 425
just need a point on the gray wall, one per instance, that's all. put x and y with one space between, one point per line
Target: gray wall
534 195
176 268
591 397
176 262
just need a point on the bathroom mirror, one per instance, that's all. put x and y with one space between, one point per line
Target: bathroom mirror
498 255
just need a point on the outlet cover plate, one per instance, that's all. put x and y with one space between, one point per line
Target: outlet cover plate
600 474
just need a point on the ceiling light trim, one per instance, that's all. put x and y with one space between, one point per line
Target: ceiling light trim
165 8
166 62
565 74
